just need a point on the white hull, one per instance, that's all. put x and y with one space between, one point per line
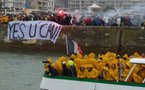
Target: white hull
64 84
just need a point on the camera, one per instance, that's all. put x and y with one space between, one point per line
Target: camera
45 62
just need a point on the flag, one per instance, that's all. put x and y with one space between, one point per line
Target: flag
72 46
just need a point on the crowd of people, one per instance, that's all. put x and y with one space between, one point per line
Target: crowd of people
83 20
108 66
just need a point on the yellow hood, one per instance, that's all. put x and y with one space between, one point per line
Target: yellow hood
91 55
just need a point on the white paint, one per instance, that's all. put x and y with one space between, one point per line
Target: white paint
138 60
60 84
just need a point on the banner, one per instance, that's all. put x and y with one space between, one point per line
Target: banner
42 30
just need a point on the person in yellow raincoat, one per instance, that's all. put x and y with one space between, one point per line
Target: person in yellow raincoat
137 78
79 56
142 71
126 57
72 57
113 70
49 61
126 69
105 60
91 72
136 55
112 56
82 72
138 74
105 72
78 61
58 64
85 57
107 55
99 66
91 60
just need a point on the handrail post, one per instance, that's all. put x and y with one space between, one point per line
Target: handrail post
126 79
143 81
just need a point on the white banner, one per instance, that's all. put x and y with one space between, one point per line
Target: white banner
43 30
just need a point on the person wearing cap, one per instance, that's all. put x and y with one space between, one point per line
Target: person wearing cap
49 61
49 69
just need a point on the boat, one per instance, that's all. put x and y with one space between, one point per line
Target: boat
74 83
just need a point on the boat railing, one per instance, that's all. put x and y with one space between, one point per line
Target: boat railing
135 61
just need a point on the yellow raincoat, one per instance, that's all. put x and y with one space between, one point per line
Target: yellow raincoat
142 71
46 65
137 78
82 72
58 64
91 72
113 70
73 56
91 59
106 74
136 55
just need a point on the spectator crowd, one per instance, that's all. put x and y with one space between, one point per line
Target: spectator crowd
79 20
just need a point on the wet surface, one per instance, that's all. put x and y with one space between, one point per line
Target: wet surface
22 71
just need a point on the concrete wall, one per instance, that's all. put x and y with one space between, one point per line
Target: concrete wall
91 39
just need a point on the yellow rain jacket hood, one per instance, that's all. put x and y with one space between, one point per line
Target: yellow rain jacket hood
79 56
91 55
91 71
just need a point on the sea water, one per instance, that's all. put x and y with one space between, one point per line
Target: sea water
22 71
